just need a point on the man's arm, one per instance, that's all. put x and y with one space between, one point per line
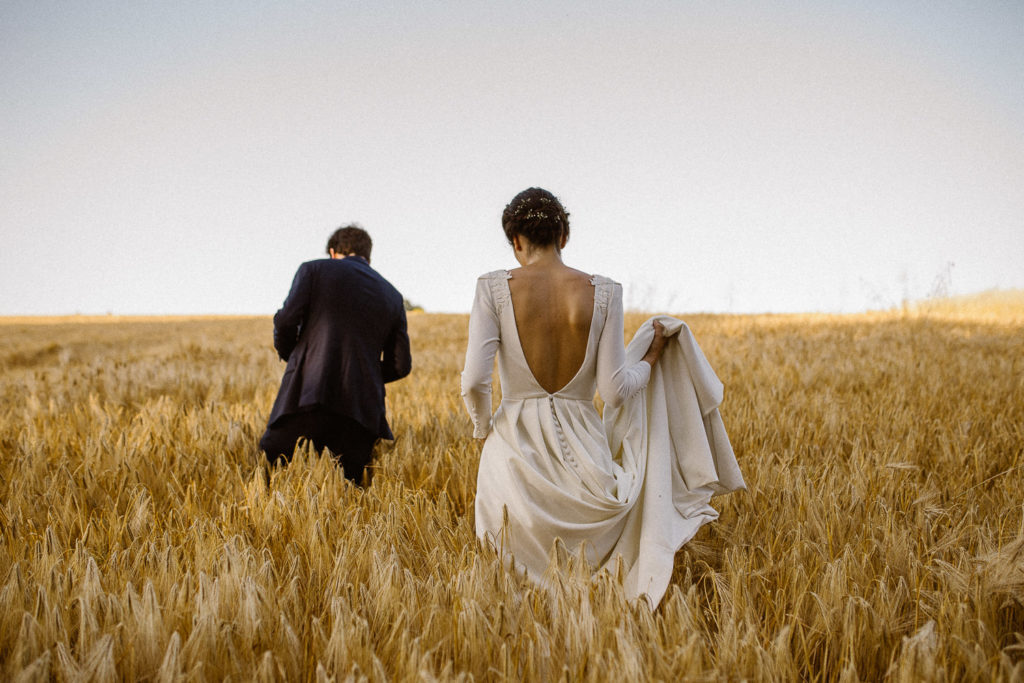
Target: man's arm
288 321
397 362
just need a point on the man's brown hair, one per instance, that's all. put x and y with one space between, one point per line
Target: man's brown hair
350 239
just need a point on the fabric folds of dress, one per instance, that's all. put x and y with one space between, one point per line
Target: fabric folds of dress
673 436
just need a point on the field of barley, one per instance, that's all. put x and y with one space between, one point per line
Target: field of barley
881 538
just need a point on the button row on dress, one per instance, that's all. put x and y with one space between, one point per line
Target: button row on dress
562 442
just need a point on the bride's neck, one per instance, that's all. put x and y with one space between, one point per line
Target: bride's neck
541 257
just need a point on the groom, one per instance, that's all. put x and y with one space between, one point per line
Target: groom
342 331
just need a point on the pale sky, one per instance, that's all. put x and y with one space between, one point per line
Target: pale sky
186 157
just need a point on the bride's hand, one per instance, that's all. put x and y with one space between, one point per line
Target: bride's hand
657 344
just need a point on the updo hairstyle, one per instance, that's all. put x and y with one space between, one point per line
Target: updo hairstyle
538 216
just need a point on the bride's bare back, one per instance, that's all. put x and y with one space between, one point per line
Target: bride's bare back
553 307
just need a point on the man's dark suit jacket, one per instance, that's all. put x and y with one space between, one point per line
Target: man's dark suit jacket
343 332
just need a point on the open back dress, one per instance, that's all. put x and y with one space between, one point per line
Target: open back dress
549 468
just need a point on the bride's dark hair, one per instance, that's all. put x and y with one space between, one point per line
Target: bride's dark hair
537 215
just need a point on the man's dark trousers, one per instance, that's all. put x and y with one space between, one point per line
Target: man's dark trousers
349 442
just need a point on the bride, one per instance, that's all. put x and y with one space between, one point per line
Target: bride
550 468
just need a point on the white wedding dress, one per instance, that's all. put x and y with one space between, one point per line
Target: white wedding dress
634 486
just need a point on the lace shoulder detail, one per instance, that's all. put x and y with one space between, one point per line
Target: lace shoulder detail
497 282
604 287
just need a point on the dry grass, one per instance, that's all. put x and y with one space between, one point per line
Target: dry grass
882 535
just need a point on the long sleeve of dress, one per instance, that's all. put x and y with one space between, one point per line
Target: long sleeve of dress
484 337
617 381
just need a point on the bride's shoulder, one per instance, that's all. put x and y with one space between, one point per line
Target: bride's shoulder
495 275
492 287
602 280
606 290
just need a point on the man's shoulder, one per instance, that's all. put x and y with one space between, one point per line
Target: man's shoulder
341 265
391 290
386 288
311 266
326 270
341 270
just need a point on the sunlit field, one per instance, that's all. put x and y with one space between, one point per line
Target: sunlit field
882 535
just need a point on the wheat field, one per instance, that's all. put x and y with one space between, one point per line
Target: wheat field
881 538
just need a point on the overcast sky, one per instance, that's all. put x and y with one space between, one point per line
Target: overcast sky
715 156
